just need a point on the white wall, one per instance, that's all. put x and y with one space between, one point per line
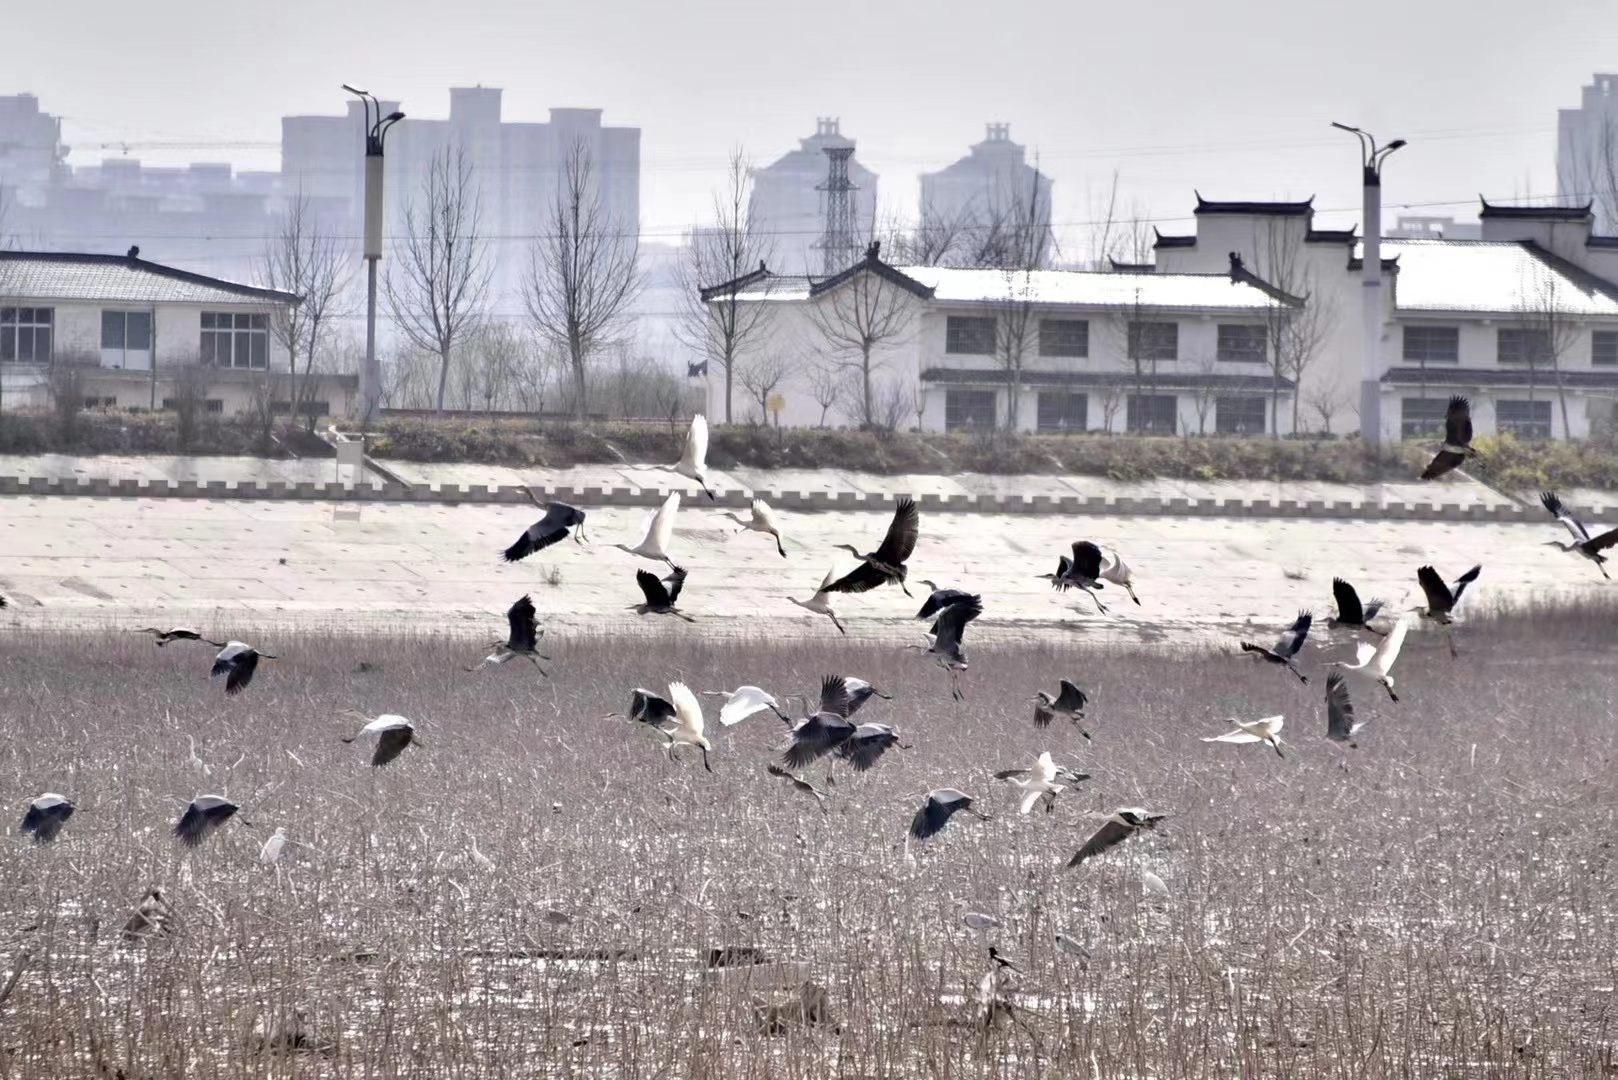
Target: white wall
178 330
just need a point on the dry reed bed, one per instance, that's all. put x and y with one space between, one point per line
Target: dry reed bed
1438 901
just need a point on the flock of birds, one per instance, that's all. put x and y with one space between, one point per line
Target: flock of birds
828 731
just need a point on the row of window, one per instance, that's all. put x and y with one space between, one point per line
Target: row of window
974 335
1060 411
1515 346
228 339
214 405
1424 417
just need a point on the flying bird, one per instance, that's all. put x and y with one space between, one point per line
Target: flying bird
1442 601
887 562
820 603
945 641
550 529
1267 731
859 692
1340 723
938 808
1081 571
1068 702
1285 650
693 464
761 519
203 816
522 638
943 598
1589 546
977 920
1115 570
1375 662
1457 448
1350 612
659 531
1041 782
393 733
743 702
45 817
2 602
1118 826
646 707
660 594
687 726
816 737
868 743
178 633
799 784
236 662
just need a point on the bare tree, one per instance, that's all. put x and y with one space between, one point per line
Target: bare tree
857 320
438 282
1204 395
1112 400
1591 174
1119 234
1145 342
303 259
935 240
894 401
1296 326
1025 243
1326 397
825 388
761 375
1548 328
716 324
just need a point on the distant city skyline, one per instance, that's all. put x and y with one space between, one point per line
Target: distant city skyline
1231 100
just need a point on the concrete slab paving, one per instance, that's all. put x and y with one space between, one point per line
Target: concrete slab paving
131 562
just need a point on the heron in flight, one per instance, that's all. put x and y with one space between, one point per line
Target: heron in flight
887 563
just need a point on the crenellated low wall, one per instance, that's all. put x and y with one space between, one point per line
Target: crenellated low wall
787 500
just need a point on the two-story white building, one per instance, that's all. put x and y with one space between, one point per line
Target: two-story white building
1524 321
129 328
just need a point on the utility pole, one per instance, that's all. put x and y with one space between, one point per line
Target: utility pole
376 132
1372 158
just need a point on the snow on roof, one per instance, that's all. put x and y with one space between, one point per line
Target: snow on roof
1073 288
96 278
1492 277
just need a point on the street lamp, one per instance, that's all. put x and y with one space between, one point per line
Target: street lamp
376 133
1372 158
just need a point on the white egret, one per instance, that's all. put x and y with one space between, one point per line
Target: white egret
1041 782
761 519
1375 662
659 531
820 603
270 854
743 702
687 726
1267 731
693 464
1115 570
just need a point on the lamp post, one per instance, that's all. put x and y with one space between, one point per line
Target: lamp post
376 132
1372 158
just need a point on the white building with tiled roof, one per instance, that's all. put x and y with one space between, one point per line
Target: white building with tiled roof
1523 321
129 328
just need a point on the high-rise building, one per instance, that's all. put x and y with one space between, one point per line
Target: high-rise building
978 202
1587 152
789 202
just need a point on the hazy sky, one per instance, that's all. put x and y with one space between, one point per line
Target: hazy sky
1232 98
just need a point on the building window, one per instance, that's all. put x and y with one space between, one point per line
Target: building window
314 409
1152 413
1432 345
1520 347
1604 348
969 409
25 334
123 332
1243 345
235 340
969 334
1422 417
95 402
1154 341
1064 337
213 405
1239 415
1524 419
1062 411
